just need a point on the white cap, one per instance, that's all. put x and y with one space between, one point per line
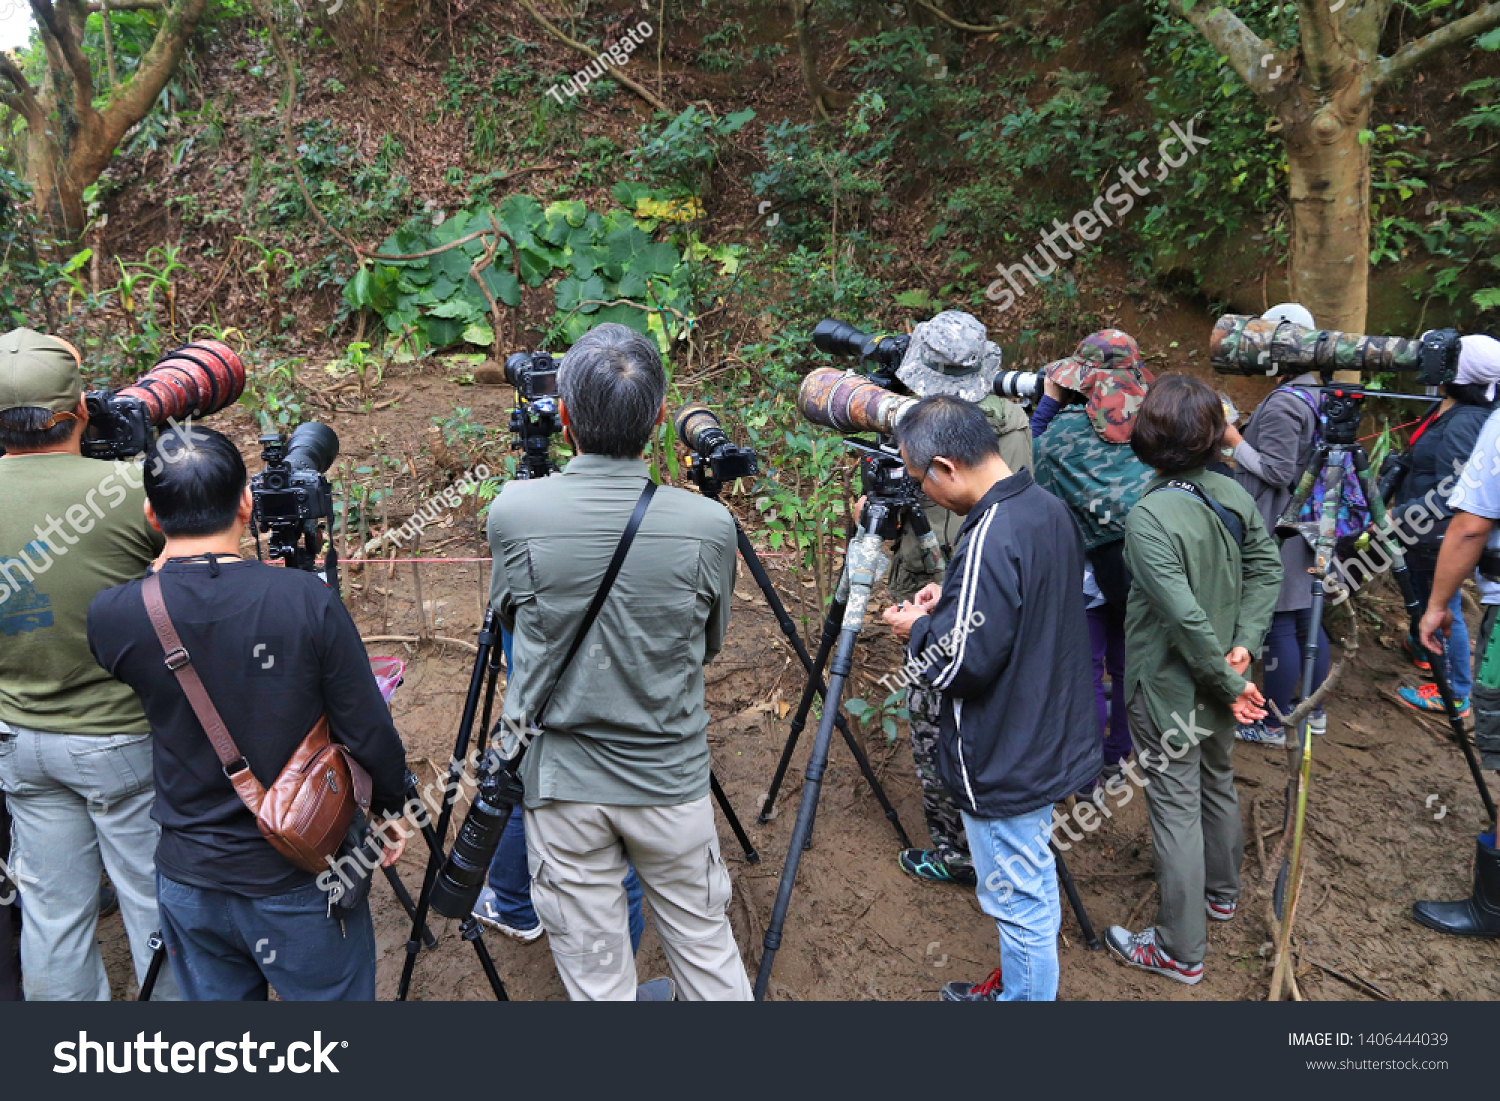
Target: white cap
1295 312
1479 361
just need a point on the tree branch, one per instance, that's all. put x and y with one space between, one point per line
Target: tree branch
1323 56
971 28
127 5
130 102
615 73
1251 56
64 49
1417 53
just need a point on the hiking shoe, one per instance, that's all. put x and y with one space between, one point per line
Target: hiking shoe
487 910
926 865
656 990
1317 722
987 991
1409 645
1260 734
1220 909
1428 698
1141 950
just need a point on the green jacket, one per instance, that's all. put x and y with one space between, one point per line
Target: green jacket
908 574
627 725
1195 597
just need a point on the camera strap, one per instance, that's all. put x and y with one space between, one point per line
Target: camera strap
626 538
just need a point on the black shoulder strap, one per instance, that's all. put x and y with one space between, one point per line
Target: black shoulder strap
604 586
1230 521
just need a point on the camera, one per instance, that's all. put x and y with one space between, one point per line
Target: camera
194 381
849 402
714 459
535 420
880 355
456 890
1245 345
1022 385
292 497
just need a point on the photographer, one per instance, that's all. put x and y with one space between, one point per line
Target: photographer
1009 625
1279 442
1083 457
619 771
75 750
1205 578
950 354
1439 449
1473 533
275 650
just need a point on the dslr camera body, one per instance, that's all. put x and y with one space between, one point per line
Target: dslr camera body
535 420
293 498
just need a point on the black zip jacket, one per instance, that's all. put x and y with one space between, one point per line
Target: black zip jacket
275 649
1019 730
1439 456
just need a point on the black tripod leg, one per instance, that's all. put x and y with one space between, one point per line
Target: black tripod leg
158 948
472 933
751 856
870 778
1065 877
404 897
799 720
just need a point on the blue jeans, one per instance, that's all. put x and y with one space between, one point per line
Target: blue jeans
1018 888
510 878
1283 660
226 947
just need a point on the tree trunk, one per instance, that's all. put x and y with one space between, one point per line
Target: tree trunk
1329 182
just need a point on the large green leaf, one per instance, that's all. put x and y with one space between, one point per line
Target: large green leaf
503 285
442 332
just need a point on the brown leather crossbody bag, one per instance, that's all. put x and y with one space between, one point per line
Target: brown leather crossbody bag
306 812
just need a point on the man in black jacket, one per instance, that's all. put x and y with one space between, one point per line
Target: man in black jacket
274 649
1006 642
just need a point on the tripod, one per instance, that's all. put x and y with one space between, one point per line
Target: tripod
711 488
1337 453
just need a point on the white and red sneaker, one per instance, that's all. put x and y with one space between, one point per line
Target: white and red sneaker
1220 909
1141 950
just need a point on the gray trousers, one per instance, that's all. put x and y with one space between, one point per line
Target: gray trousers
578 852
1195 829
80 805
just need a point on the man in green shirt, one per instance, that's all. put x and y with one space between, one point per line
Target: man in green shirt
621 770
1206 575
950 354
75 748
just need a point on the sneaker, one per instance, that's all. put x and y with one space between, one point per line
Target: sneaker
656 990
987 991
926 865
1219 909
1428 698
1141 950
1409 645
1260 734
1317 722
487 910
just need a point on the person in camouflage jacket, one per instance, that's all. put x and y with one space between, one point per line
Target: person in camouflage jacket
950 354
1083 457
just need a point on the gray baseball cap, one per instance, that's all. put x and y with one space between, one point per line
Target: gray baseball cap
950 354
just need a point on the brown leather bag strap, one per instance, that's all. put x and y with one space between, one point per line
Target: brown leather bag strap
181 663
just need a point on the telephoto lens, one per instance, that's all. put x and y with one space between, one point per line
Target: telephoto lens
1018 384
699 429
196 380
313 446
456 889
1244 345
839 338
846 402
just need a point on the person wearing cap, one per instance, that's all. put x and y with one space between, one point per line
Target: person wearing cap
1439 449
1083 457
1278 443
75 747
949 354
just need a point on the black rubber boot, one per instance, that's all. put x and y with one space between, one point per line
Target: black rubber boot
1479 914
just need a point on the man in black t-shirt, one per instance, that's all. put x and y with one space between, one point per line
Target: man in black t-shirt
275 649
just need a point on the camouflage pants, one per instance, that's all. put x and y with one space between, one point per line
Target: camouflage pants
1486 696
945 822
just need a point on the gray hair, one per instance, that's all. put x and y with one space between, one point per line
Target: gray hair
613 384
946 426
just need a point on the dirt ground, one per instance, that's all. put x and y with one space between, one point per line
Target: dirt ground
1392 816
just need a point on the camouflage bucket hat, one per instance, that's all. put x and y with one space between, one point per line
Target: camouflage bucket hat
1107 368
950 355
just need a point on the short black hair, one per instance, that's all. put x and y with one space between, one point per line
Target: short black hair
1179 426
949 427
23 429
194 480
1469 393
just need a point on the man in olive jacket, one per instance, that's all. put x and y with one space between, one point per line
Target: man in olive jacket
1206 575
